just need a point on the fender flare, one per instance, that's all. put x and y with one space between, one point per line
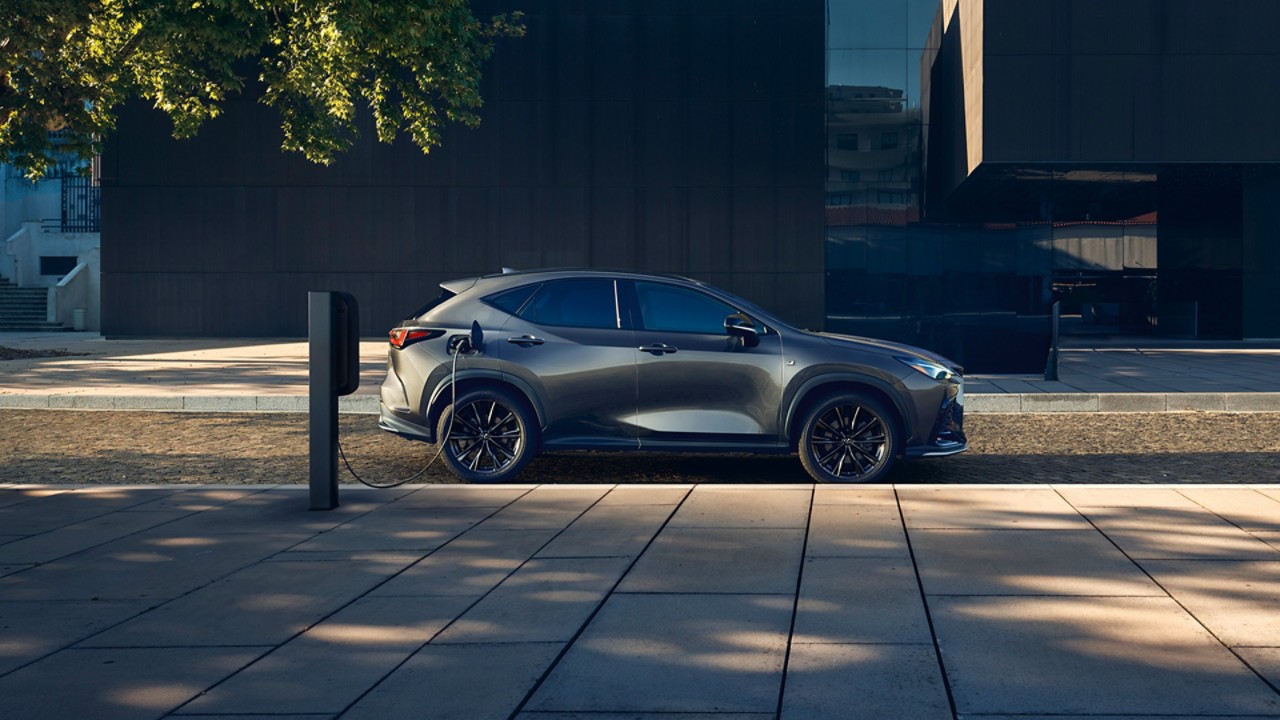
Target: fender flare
905 414
491 376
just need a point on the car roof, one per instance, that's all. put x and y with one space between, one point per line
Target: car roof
514 278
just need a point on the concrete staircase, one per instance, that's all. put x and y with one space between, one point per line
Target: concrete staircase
24 309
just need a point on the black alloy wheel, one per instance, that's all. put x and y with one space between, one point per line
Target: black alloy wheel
489 439
849 438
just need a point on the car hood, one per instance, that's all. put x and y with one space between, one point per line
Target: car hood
886 347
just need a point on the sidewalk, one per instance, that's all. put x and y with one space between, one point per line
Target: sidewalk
604 602
271 375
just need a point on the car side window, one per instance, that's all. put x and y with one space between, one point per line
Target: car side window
676 309
512 300
584 302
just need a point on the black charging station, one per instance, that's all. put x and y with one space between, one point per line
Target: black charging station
333 321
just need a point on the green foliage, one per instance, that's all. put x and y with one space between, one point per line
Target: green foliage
66 65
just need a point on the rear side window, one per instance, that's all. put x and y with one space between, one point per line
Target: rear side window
510 301
585 303
444 297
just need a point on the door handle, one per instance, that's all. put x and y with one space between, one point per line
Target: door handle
525 340
659 349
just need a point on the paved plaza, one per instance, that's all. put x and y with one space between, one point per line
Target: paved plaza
639 601
227 374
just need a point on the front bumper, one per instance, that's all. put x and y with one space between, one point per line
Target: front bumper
947 437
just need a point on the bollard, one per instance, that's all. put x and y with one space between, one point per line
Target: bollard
1051 364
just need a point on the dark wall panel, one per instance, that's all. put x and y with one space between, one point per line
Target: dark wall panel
673 136
1140 80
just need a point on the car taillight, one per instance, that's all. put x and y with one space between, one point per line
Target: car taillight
402 337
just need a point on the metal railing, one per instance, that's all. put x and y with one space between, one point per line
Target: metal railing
81 204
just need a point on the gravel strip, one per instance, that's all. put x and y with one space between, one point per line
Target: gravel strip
39 446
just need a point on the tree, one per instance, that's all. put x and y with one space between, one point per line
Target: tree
67 65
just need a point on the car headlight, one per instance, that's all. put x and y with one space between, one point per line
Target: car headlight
938 372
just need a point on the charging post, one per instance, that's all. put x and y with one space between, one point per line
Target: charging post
333 321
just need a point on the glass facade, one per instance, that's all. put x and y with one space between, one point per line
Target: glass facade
971 271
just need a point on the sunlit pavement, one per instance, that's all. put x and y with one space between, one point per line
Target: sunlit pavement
640 601
256 375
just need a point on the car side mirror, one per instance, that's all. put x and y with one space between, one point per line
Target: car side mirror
739 325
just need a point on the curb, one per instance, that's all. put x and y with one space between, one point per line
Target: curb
993 403
350 405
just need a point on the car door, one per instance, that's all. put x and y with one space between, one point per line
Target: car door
697 384
567 342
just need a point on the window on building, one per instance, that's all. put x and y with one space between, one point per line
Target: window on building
847 141
888 140
850 176
886 175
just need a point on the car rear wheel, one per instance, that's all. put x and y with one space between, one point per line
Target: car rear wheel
490 438
849 438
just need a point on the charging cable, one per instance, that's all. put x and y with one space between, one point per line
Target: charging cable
448 431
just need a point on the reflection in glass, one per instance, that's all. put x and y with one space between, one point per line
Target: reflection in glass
867 24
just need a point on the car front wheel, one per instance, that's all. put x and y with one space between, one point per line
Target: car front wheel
849 438
490 438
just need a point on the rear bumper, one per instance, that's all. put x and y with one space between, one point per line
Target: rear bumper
403 425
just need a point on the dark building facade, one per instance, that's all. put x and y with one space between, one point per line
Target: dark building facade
933 172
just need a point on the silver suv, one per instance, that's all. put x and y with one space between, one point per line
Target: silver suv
505 366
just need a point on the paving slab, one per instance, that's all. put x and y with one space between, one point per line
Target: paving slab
199 499
726 507
1243 507
471 565
674 653
448 496
1176 533
647 716
400 527
29 631
9 569
333 664
856 531
130 684
459 682
864 681
543 601
1090 656
996 508
1239 602
646 495
719 560
1112 496
265 604
1026 562
609 531
155 565
854 495
70 539
860 600
1264 660
19 494
546 507
31 516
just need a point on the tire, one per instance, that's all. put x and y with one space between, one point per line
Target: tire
491 439
849 438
